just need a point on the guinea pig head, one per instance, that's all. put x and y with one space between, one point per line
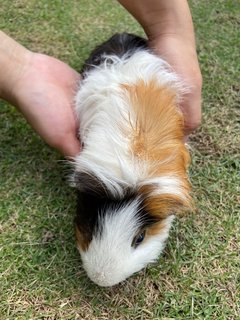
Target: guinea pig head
117 237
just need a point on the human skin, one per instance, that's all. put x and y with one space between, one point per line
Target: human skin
43 88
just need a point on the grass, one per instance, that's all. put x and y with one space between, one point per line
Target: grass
197 277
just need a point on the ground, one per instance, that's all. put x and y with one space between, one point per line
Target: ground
197 277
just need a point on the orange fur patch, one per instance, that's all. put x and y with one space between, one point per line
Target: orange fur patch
155 229
158 140
158 131
82 241
162 205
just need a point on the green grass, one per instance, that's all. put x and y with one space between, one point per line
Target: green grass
197 277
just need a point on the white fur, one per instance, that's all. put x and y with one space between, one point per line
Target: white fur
110 257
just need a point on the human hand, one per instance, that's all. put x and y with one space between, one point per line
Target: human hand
183 59
44 92
43 89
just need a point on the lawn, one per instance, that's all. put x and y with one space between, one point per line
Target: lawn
197 277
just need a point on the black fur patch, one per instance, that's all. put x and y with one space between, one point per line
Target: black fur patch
92 204
119 44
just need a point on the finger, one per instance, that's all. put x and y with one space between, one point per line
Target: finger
70 147
191 108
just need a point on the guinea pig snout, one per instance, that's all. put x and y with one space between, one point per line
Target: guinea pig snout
103 276
101 279
104 273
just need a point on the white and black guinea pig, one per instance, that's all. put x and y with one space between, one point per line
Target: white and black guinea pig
131 175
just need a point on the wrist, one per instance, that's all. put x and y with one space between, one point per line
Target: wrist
181 56
14 59
161 18
167 45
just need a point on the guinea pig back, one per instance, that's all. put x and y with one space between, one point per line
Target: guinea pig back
131 175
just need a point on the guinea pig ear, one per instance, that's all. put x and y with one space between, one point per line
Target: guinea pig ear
162 205
87 182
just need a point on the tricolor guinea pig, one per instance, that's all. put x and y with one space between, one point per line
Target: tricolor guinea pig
131 175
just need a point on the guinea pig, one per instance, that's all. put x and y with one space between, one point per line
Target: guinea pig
131 175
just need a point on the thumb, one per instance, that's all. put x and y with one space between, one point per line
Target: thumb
70 147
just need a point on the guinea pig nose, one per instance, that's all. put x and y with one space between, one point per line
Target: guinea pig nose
99 278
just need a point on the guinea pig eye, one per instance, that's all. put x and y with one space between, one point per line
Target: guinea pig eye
138 239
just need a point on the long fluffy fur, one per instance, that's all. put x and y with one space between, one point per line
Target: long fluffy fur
133 165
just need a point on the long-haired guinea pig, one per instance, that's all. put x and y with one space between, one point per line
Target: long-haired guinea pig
131 175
